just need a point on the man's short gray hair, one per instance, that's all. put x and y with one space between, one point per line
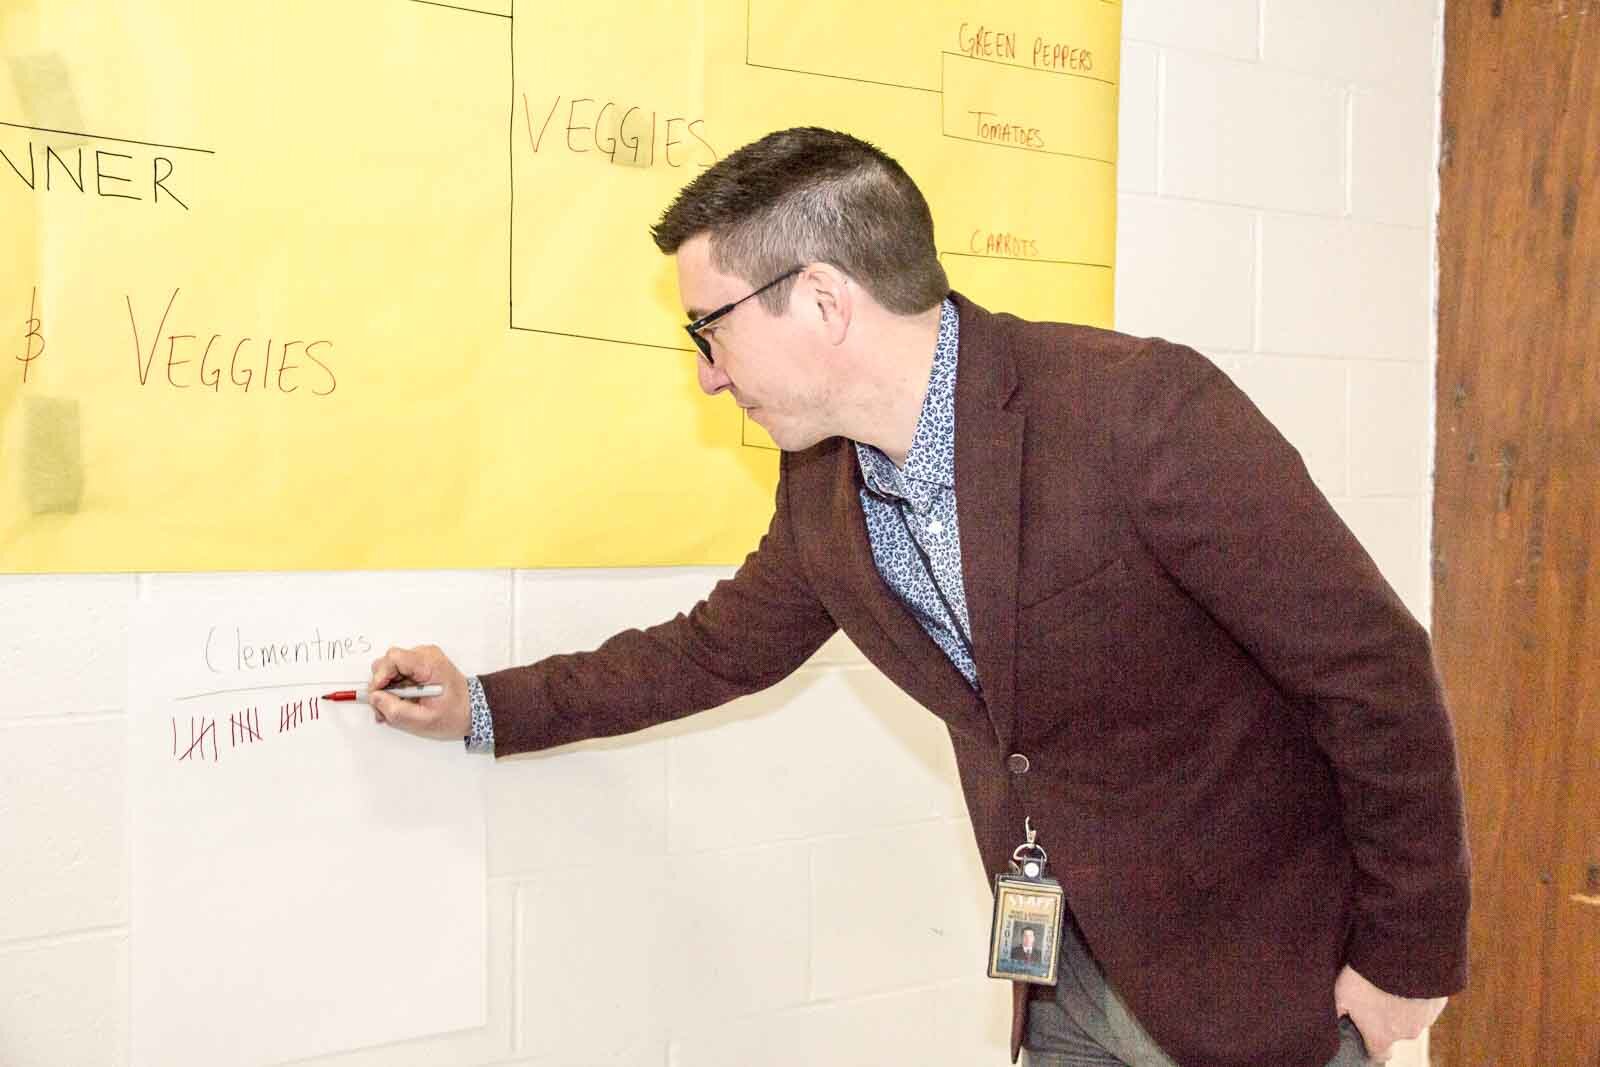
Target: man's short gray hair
808 195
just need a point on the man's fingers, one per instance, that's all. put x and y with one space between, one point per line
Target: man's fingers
413 663
384 670
393 710
407 660
446 715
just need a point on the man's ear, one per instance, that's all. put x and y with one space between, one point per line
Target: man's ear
834 297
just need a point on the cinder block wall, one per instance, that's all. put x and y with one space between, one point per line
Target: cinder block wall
798 868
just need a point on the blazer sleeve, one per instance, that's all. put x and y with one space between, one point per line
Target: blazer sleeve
753 630
1227 507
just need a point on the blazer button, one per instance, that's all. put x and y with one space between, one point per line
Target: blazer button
1017 763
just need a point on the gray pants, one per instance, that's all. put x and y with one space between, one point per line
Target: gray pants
1087 1025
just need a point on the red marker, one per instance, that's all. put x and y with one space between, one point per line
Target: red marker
404 692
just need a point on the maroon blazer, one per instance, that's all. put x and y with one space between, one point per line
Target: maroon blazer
1237 752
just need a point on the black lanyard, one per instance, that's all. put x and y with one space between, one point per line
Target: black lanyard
927 565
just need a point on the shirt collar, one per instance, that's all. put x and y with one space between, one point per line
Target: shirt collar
931 462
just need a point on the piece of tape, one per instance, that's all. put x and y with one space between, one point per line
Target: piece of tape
44 90
52 455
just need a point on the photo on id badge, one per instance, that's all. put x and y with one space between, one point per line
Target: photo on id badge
1027 930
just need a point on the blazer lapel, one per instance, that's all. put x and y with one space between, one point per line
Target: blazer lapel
956 699
989 507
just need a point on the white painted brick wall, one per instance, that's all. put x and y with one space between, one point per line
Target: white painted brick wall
1234 132
1275 211
1224 27
64 1001
1186 270
828 751
61 827
1391 156
1361 42
77 625
1138 111
1340 287
1305 399
925 920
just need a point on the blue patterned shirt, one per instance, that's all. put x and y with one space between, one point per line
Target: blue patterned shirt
481 739
927 486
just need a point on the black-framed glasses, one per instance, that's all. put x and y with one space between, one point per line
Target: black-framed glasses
703 321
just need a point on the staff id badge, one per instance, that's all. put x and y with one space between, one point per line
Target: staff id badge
1025 939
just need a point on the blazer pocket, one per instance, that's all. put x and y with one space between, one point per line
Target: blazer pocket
1277 811
1089 598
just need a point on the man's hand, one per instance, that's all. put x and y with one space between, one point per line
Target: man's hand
447 717
1382 1018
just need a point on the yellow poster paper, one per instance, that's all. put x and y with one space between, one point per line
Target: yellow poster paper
369 284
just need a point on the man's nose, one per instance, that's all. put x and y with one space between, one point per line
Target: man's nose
712 379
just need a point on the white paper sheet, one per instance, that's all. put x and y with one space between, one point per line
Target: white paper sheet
303 880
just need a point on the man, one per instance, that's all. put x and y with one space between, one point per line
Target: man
1023 951
1090 555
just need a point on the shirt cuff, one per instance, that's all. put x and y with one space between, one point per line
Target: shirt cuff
481 739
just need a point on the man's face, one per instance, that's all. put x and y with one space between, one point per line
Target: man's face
768 363
1027 940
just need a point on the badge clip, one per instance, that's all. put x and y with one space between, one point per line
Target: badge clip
1029 910
1029 858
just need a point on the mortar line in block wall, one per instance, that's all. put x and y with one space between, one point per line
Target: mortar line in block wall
518 962
1349 432
1161 117
1275 212
826 837
811 924
1257 285
65 718
516 617
1349 151
71 937
526 873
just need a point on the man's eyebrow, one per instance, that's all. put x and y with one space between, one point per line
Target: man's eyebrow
694 313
